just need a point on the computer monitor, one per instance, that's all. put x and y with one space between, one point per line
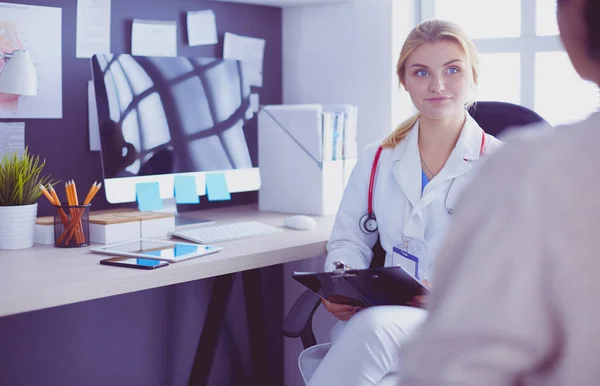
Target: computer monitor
165 116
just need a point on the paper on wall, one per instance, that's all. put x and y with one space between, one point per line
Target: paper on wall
254 102
93 28
12 138
93 127
39 31
154 38
202 28
250 51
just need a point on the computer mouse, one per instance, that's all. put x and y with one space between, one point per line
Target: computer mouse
301 222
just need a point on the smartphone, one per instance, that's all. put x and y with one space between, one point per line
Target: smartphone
132 262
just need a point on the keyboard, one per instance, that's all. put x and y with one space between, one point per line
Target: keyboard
226 232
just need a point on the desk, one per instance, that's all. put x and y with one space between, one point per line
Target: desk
44 277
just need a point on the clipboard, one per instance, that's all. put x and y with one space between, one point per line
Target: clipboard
364 287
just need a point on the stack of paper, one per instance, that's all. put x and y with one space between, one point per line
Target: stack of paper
339 133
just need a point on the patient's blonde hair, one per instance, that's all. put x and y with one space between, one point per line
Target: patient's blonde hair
430 31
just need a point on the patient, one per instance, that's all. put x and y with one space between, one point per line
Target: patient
516 298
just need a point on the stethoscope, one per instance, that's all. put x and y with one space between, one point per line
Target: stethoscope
368 223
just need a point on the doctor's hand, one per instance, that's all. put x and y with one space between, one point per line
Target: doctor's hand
421 300
340 311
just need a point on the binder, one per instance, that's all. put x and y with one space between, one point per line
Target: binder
364 287
296 157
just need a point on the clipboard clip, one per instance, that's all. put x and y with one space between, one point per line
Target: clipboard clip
341 269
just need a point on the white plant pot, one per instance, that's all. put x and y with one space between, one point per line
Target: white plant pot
17 226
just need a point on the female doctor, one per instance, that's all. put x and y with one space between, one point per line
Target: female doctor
403 191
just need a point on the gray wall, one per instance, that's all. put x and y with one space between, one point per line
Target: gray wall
146 338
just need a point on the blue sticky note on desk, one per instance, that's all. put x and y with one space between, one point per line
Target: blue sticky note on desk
148 196
185 190
216 187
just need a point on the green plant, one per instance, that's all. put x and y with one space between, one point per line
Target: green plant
20 179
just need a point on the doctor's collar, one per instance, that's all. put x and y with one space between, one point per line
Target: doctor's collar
470 139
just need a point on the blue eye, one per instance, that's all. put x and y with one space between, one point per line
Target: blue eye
453 70
421 73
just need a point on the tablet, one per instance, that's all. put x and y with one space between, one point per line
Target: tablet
170 251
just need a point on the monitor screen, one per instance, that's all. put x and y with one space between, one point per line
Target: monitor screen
163 116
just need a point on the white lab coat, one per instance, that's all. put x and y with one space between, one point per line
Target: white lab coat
516 301
400 209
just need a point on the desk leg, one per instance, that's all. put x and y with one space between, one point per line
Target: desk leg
261 373
215 317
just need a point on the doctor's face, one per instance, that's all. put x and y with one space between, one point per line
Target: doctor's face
439 78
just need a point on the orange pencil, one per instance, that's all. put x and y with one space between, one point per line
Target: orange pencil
56 202
54 195
75 214
68 192
95 191
89 195
79 224
74 192
70 202
48 196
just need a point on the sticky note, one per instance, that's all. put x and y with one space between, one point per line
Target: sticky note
148 196
185 190
216 187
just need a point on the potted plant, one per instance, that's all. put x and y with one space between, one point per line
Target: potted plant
20 179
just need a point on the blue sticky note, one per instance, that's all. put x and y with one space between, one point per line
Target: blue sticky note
148 196
185 190
216 187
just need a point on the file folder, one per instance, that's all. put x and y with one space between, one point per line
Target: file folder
364 287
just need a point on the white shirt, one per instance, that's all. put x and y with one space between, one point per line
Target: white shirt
516 299
401 210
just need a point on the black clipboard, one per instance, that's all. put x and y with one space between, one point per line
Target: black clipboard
364 287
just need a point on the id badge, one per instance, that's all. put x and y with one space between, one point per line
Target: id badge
407 261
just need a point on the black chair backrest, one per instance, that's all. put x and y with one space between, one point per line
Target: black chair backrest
493 117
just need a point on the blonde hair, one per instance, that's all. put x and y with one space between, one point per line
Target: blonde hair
430 31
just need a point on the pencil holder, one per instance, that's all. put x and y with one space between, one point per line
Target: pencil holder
71 226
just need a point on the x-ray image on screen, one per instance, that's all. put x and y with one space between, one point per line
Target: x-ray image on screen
163 115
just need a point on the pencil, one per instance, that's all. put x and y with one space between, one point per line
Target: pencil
70 201
54 195
68 192
74 193
79 224
94 193
56 202
89 196
48 196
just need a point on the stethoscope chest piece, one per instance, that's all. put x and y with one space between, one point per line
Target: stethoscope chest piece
368 223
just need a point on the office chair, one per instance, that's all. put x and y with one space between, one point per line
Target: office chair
493 117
